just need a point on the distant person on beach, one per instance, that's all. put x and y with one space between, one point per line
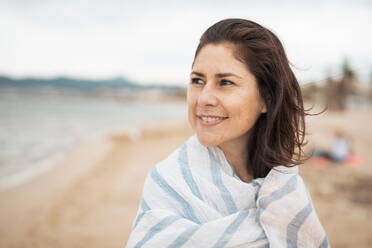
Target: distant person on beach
340 150
235 182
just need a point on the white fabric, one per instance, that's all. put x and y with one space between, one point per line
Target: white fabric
340 148
194 199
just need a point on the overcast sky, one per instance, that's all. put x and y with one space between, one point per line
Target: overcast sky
154 41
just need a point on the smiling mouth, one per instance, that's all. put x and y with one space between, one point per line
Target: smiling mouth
210 120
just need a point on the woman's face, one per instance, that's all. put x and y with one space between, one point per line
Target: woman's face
223 98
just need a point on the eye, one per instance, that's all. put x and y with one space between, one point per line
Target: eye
197 81
226 82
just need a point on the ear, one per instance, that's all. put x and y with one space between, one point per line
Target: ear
263 109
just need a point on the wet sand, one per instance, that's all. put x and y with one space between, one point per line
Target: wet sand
91 199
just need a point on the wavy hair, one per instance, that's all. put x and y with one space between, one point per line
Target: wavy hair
277 137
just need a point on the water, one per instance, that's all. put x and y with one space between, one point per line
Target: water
37 130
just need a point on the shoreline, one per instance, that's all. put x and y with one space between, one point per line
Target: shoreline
99 142
98 148
46 197
27 175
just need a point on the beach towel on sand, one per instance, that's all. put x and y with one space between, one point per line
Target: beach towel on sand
194 199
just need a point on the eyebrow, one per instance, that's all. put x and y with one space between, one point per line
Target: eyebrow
218 75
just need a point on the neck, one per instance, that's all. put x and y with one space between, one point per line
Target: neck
237 155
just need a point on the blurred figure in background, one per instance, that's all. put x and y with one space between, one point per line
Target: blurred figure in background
339 152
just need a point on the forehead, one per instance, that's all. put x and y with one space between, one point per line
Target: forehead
219 58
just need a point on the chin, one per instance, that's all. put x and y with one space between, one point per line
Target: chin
208 140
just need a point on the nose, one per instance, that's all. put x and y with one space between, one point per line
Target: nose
208 96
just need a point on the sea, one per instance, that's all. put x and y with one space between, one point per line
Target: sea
38 130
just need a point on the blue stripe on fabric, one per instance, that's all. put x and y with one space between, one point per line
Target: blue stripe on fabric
231 230
254 183
234 175
217 180
144 205
295 225
186 172
184 237
261 236
325 243
188 210
138 219
265 201
156 229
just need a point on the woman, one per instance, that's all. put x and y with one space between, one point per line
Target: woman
235 183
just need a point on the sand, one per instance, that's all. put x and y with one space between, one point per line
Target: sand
91 198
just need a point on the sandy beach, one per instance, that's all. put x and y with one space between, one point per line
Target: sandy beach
91 198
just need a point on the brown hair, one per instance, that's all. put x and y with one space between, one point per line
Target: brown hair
277 137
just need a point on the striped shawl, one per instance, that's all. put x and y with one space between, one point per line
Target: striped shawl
194 199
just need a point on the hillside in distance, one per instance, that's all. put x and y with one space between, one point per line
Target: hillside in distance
118 86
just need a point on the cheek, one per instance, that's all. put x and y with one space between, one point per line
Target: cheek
191 117
191 108
247 111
